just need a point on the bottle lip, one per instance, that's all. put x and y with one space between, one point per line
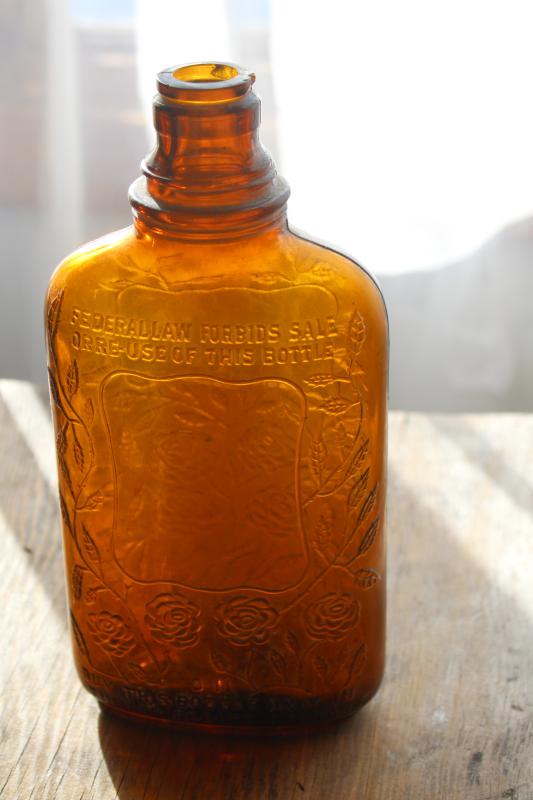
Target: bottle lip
205 82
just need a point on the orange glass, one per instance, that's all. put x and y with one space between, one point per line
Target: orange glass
218 386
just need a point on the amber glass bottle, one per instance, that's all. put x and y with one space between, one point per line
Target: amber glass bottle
218 386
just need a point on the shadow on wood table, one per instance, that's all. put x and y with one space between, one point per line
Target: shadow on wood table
149 762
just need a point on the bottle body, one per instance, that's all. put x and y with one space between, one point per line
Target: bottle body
220 417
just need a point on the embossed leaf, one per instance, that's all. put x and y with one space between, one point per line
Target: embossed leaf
267 408
336 405
90 595
368 539
124 401
280 410
368 505
321 665
278 662
73 378
260 673
65 470
357 491
358 662
220 400
65 514
54 312
116 284
193 418
88 411
93 502
128 268
270 278
341 436
207 280
93 554
341 659
54 391
292 642
359 458
77 581
355 369
320 379
366 578
137 502
79 455
126 260
335 480
136 672
218 661
321 271
355 335
61 438
78 635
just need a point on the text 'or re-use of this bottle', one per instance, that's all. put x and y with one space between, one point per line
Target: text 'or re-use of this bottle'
219 388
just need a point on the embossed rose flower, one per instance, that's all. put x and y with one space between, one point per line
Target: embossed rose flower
264 443
246 620
273 507
186 450
332 617
173 619
111 633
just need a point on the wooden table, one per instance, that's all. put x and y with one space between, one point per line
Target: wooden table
454 718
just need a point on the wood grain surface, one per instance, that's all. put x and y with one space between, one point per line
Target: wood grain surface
454 718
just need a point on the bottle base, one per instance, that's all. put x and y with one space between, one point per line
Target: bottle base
223 729
236 713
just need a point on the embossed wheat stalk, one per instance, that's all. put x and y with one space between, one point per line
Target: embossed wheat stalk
355 338
318 457
322 536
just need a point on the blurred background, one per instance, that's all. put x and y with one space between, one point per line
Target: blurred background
404 129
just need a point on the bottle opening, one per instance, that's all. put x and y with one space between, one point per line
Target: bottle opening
205 73
204 83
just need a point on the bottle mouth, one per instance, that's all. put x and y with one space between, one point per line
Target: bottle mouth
205 82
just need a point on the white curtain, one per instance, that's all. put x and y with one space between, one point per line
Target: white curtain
405 128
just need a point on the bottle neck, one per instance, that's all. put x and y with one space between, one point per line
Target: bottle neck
209 176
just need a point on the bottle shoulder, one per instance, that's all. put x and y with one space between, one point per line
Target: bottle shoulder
101 251
336 261
342 274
